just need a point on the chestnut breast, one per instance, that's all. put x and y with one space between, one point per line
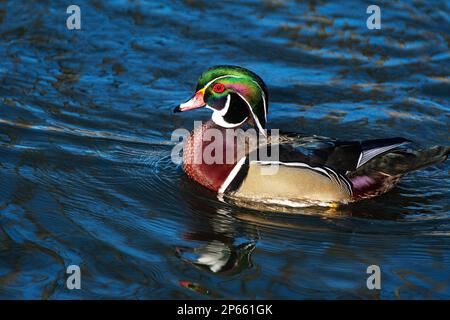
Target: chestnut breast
209 160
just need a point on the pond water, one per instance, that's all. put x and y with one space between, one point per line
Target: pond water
86 176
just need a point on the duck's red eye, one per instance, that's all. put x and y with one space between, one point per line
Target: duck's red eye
219 88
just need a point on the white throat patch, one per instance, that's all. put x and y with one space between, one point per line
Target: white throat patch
217 116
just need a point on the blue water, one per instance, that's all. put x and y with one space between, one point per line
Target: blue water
86 176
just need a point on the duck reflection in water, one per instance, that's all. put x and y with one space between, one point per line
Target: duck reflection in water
226 244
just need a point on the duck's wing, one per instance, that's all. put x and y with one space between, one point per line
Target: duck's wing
330 170
340 156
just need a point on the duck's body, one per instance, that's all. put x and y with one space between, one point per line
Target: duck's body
307 170
310 169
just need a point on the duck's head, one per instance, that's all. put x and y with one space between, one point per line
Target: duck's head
236 95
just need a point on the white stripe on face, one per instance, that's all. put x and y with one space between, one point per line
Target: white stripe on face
218 115
258 124
221 77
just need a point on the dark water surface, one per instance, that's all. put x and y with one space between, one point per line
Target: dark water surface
86 176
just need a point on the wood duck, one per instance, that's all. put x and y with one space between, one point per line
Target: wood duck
310 169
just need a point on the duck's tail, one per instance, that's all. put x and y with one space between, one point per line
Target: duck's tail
401 162
380 174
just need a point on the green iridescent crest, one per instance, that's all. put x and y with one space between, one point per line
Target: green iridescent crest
220 82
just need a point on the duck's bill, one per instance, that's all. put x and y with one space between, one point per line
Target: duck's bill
194 103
